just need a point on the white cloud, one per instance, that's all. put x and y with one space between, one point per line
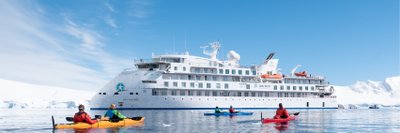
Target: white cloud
109 7
140 8
110 21
35 51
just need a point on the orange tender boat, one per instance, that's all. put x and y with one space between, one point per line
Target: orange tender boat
301 74
272 76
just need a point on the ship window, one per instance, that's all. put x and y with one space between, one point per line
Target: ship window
246 94
200 85
240 72
137 93
199 93
104 93
182 92
191 93
294 88
207 93
298 94
291 94
300 88
306 88
192 84
218 85
275 87
266 94
175 68
281 87
173 92
131 93
239 94
99 93
198 77
312 88
154 92
254 72
184 68
286 94
221 71
165 84
247 86
214 93
116 93
233 71
208 85
288 88
226 86
183 84
226 71
247 72
175 84
163 92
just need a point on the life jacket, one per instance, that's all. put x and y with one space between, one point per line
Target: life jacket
83 117
231 110
282 113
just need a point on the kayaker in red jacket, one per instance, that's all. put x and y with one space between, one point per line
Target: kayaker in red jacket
82 116
232 110
281 112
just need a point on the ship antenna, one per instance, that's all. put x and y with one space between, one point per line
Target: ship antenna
185 42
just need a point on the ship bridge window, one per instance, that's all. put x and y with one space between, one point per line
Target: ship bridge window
116 93
288 88
281 87
173 60
104 93
294 88
148 66
173 92
226 71
233 71
312 88
306 88
247 72
221 71
240 72
300 88
208 85
275 87
218 85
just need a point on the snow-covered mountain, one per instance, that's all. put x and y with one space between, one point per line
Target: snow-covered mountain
385 92
15 94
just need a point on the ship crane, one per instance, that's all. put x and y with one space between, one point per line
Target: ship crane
294 70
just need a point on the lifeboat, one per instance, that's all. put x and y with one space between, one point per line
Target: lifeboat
301 74
272 76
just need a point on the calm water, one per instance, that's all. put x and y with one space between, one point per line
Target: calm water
381 120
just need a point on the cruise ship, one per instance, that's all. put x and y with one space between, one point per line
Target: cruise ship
184 81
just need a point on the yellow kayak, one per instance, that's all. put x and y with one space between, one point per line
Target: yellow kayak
101 124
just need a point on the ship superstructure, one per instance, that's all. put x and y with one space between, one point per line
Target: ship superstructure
183 81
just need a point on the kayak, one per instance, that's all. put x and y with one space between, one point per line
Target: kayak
229 114
100 124
269 120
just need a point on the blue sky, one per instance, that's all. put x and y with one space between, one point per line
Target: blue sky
83 44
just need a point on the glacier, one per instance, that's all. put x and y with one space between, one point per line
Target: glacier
384 93
14 94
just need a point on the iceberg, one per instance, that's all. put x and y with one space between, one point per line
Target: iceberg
14 94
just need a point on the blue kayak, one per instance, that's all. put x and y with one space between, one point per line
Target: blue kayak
228 114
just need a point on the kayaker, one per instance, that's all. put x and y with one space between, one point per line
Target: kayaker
82 116
281 112
232 110
218 110
113 114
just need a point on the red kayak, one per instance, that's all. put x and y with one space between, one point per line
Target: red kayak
269 120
